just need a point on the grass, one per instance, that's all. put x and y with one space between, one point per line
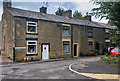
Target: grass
112 60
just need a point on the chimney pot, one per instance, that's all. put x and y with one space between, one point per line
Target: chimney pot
68 13
43 9
6 4
88 17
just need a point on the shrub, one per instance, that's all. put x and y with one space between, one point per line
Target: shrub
89 53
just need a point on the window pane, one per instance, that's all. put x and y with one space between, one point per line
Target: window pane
90 46
31 29
65 30
90 34
107 35
31 42
32 49
32 23
66 48
89 30
107 30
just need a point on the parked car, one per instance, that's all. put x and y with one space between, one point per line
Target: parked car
110 49
115 51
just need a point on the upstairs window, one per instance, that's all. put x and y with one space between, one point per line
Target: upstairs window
66 30
31 27
90 33
107 30
117 32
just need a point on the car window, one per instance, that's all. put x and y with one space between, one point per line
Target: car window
117 49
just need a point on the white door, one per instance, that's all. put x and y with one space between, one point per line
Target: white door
45 51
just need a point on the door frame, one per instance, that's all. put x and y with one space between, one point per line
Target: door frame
77 49
42 49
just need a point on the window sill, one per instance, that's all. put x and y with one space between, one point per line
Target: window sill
66 53
90 36
31 54
66 35
32 33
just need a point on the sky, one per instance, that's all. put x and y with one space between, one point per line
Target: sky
82 6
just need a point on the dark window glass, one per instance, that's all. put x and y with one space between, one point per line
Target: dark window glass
90 33
65 30
31 49
107 35
66 48
31 28
90 46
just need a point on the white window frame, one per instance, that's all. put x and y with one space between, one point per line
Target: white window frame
31 44
107 30
118 32
31 25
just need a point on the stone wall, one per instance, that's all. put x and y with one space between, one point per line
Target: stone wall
15 34
8 41
0 36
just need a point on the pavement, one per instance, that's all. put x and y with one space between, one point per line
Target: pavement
96 70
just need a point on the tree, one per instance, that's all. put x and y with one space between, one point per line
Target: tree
60 11
108 10
111 11
78 15
115 35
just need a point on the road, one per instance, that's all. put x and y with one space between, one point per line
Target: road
44 70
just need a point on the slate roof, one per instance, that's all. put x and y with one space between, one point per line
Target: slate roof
55 18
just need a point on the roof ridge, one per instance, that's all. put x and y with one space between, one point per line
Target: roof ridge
51 17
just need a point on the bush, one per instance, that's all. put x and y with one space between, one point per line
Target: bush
113 60
89 53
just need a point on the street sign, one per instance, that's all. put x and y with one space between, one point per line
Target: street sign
20 47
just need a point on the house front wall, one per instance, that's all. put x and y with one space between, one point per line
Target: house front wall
47 33
8 34
50 33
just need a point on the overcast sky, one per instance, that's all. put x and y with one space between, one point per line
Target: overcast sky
83 6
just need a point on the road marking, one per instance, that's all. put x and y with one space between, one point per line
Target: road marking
94 75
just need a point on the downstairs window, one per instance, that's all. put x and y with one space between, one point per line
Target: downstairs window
31 47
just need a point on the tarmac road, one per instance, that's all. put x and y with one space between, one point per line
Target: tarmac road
44 70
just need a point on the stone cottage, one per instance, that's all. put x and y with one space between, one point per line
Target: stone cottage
39 35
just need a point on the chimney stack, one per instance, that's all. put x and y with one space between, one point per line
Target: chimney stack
6 4
43 9
88 17
68 13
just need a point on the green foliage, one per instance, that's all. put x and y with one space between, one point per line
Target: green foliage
108 10
60 11
114 37
78 15
90 53
111 60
